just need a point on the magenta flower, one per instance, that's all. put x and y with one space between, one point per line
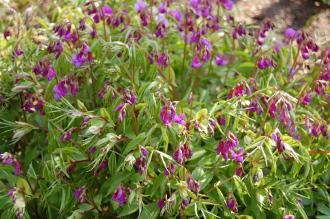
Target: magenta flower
239 171
179 119
141 165
238 156
196 63
161 203
17 167
220 61
120 195
80 195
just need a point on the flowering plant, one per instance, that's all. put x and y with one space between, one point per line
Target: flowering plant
160 109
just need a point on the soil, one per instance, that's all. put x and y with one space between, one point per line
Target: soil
309 15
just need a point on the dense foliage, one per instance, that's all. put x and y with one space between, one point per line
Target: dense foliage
153 109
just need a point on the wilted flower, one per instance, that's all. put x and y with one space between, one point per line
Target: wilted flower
120 195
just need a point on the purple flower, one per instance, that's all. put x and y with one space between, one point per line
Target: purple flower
227 4
163 60
92 149
107 10
184 203
178 155
18 52
82 24
228 145
238 31
144 152
80 195
306 98
279 144
12 194
231 204
196 63
290 33
139 6
162 8
272 109
78 59
177 15
168 113
60 90
220 61
239 171
120 195
193 185
324 130
66 136
141 165
170 169
264 63
8 159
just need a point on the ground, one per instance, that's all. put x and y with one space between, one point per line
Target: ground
310 15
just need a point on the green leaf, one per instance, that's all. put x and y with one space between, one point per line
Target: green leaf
129 209
150 211
137 140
